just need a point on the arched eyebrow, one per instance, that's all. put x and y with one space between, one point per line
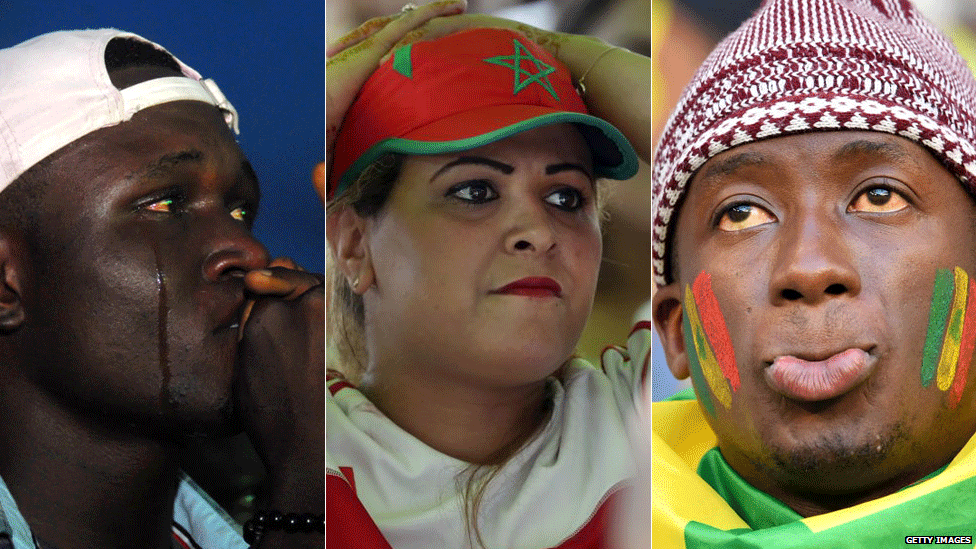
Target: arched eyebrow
507 169
500 166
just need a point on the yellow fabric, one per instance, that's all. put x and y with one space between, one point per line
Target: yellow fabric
961 468
681 436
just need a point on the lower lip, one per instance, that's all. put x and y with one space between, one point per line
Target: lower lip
531 292
813 381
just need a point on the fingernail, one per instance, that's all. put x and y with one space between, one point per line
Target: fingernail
264 272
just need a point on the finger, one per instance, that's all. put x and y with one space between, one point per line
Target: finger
245 314
359 34
285 262
318 179
415 35
438 28
281 282
449 25
377 44
407 21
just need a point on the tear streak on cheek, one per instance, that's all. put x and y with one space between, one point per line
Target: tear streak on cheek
162 317
708 345
951 336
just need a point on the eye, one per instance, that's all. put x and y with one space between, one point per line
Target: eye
170 200
567 198
879 199
743 216
473 192
164 205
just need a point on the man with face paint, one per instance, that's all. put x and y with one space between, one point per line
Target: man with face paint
814 252
127 274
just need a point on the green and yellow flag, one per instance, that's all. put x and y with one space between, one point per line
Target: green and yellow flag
689 513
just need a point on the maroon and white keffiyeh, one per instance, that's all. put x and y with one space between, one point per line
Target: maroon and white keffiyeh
818 65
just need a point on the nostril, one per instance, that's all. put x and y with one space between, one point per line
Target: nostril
836 289
226 274
791 295
233 262
522 245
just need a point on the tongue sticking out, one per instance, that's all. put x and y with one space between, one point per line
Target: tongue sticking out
800 379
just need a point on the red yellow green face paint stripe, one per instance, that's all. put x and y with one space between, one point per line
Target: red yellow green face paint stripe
966 347
714 325
708 345
951 336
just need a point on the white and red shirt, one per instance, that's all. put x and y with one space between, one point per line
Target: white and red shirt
385 488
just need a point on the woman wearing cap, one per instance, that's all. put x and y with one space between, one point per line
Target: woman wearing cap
465 232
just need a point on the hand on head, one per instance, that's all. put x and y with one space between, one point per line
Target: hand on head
353 57
443 26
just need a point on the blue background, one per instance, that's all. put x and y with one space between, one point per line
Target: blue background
269 60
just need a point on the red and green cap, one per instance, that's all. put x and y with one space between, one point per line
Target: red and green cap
464 91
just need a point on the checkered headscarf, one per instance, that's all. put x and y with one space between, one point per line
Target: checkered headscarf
818 65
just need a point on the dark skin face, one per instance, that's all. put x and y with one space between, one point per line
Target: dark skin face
817 243
136 273
121 295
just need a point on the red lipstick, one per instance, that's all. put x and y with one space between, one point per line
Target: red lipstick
532 286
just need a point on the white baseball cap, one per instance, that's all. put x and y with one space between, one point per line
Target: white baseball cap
55 88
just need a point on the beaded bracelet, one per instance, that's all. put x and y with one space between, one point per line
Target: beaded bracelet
263 521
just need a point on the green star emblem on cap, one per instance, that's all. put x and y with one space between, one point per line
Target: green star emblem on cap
514 62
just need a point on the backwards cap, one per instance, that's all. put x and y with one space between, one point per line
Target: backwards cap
55 88
818 65
463 91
